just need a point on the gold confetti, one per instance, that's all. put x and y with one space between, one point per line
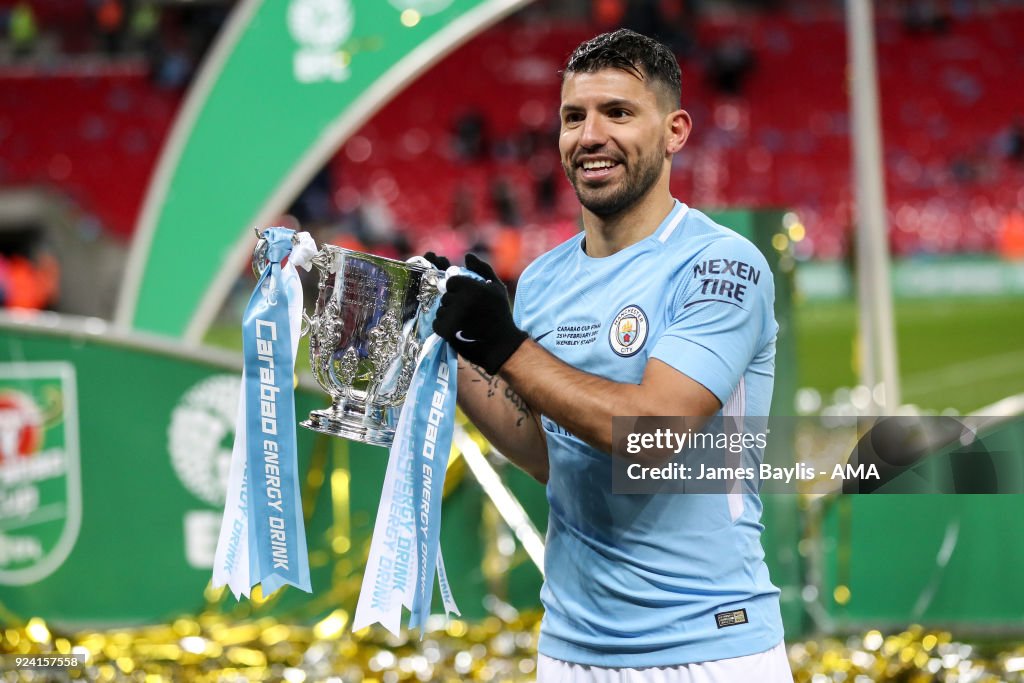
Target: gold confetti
216 648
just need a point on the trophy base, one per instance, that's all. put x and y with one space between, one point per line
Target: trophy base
348 427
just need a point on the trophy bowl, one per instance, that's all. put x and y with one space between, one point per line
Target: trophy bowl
364 339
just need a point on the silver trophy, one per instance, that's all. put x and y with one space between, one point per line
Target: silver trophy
364 338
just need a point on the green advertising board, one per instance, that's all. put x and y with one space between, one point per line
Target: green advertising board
113 463
943 560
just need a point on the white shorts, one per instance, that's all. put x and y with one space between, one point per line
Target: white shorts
770 666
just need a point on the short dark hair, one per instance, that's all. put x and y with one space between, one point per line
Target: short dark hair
632 52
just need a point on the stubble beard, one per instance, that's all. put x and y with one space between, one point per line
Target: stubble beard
611 201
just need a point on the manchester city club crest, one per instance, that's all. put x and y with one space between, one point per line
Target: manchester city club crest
628 331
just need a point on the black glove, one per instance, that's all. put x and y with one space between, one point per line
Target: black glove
440 262
475 318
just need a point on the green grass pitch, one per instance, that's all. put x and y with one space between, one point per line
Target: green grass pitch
953 353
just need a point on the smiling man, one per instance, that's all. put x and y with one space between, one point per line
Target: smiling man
654 310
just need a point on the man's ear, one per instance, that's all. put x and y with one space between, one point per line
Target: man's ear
678 125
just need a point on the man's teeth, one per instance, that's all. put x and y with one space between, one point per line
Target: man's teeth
592 165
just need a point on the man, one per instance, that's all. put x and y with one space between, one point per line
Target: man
653 310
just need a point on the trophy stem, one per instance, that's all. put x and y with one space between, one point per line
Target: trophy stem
349 424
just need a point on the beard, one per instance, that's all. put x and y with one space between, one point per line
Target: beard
609 201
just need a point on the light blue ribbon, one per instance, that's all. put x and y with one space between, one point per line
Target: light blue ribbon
433 424
409 513
277 536
432 427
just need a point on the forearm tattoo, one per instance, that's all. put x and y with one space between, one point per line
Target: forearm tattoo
496 386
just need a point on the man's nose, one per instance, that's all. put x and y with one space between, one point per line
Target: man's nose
593 133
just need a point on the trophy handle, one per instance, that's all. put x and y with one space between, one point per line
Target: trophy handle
324 262
259 264
431 286
259 254
333 369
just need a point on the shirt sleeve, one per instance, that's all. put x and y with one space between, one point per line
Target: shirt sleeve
519 300
717 319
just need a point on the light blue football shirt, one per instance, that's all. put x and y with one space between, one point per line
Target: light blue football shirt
637 580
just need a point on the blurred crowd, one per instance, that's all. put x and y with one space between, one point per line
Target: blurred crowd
170 36
29 272
496 185
953 184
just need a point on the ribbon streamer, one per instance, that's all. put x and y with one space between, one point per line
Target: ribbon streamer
262 538
405 551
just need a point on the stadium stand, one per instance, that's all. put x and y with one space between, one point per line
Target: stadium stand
784 142
948 118
96 136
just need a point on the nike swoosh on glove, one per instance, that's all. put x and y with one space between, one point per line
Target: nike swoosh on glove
475 318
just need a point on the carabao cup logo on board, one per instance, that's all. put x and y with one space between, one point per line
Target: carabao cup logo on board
628 331
21 426
321 27
40 479
200 436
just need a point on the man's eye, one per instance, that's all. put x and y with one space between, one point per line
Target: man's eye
618 113
573 118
